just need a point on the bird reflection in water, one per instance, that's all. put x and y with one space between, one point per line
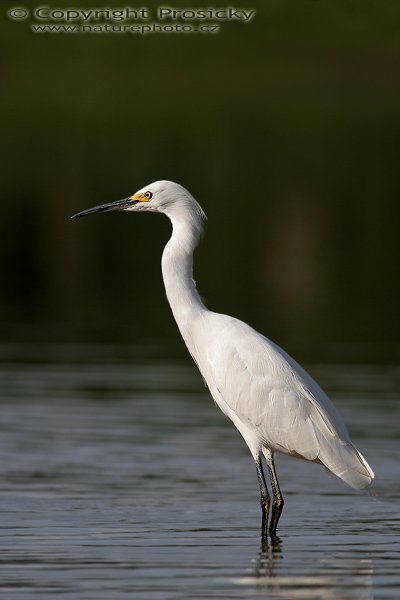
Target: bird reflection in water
312 572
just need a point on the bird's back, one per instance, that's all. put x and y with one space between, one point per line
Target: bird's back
272 400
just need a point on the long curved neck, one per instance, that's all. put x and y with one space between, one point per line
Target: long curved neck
177 270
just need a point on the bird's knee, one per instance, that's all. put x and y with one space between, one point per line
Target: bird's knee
278 503
265 503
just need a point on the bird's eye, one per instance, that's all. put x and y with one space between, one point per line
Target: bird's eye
148 195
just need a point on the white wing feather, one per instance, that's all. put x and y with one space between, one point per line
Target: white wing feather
272 400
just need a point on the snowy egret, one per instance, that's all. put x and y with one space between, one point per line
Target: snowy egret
273 401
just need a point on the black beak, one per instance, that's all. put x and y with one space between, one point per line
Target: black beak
118 205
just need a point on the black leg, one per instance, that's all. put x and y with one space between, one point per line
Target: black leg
264 499
277 504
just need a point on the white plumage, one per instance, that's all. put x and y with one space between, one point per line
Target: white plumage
273 402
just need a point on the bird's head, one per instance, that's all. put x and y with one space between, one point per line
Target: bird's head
161 196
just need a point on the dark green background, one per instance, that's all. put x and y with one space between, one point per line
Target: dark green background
287 131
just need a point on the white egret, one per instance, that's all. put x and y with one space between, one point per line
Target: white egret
273 402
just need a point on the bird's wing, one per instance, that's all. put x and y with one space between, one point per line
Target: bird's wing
269 391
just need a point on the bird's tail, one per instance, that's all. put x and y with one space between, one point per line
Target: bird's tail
349 464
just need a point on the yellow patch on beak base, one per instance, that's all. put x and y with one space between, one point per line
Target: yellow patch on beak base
143 197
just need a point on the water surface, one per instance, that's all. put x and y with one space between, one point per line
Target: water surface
120 479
